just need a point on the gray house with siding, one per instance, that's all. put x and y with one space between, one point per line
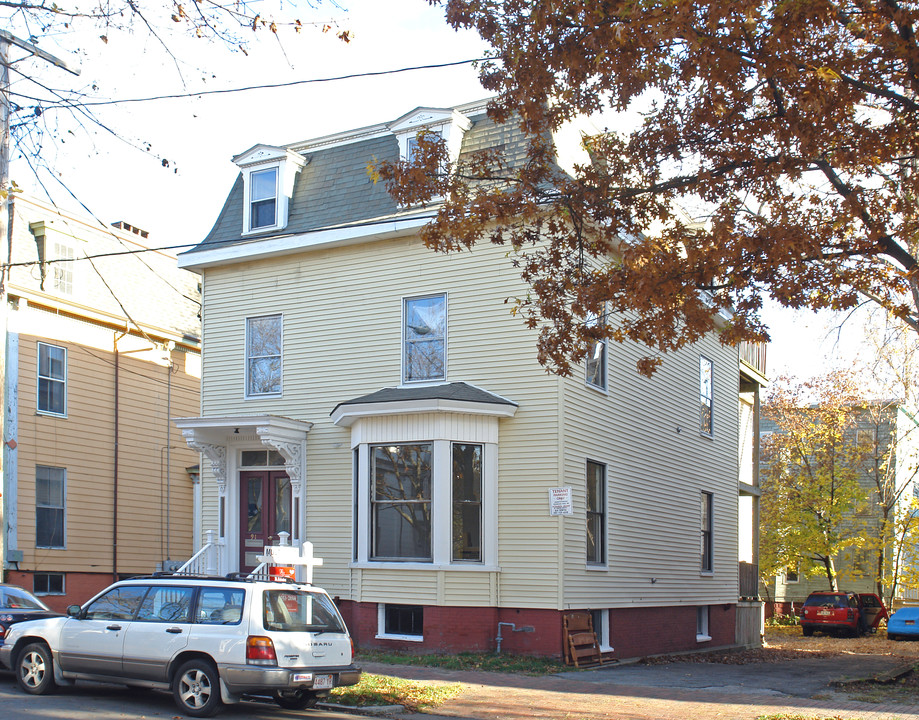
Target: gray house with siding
378 399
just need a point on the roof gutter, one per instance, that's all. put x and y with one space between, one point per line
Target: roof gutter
276 246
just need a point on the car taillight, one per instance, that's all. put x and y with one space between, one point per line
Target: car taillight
260 651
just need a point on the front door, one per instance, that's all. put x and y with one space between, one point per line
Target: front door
265 504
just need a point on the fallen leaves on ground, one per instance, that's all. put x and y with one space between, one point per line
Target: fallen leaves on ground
787 643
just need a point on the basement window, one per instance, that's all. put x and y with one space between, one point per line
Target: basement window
400 622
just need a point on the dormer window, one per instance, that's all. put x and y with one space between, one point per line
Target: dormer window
268 184
263 198
449 124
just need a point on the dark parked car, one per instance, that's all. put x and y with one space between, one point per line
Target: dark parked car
17 605
844 612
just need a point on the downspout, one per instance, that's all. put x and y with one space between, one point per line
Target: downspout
115 470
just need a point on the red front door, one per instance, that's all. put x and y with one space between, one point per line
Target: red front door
265 511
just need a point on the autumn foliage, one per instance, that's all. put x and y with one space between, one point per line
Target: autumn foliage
769 148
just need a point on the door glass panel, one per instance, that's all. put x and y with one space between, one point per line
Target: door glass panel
282 505
254 499
119 604
166 604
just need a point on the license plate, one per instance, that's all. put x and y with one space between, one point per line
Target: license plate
909 622
824 613
322 682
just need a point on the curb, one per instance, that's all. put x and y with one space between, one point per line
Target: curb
883 678
363 709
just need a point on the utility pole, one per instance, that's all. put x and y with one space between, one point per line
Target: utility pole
7 39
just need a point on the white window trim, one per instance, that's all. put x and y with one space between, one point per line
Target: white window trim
405 301
255 396
38 378
703 631
247 222
441 510
381 628
265 157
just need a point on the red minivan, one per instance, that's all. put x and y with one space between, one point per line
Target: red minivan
845 612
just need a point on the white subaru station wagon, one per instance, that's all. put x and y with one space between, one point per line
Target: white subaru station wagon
210 640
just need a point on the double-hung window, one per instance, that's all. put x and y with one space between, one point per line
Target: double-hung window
424 336
52 379
263 198
50 492
63 268
263 355
401 502
596 513
706 394
467 502
706 519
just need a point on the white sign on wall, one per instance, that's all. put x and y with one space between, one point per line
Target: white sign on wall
560 501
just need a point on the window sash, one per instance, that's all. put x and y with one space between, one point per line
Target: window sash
400 503
467 502
596 513
52 379
706 393
50 495
424 328
263 194
706 532
264 354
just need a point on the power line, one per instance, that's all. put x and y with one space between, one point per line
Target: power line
268 86
202 246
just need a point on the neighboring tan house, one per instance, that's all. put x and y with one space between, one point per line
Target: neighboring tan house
102 347
888 437
380 400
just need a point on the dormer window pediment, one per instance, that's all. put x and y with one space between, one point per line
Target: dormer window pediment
268 185
448 123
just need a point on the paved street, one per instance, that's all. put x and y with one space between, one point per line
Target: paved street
675 691
89 701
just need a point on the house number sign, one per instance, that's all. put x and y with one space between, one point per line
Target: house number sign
560 501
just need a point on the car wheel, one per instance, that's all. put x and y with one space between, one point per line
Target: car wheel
34 669
196 688
296 700
893 636
807 630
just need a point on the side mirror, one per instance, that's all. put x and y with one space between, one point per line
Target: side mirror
74 611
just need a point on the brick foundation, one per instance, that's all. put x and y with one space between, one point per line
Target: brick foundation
78 587
634 632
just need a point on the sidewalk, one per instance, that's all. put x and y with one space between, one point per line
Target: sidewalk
497 696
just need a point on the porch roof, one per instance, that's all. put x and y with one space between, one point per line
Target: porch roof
458 397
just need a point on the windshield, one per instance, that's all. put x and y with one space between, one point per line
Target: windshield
15 598
292 610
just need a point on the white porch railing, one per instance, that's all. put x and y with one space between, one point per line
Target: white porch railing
204 562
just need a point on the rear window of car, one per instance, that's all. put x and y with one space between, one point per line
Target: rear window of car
17 599
838 601
290 610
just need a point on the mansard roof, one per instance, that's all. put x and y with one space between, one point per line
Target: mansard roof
334 192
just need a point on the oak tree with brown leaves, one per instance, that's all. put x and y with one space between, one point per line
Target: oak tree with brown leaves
774 155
